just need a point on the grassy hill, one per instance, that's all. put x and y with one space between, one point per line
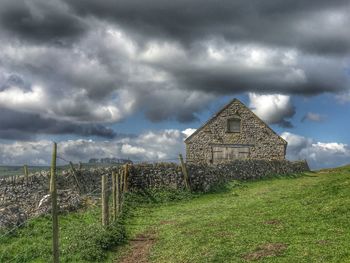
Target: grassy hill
303 219
287 219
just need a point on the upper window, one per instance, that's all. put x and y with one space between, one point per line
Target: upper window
234 125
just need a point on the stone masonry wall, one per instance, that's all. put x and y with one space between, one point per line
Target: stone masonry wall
19 201
263 142
203 177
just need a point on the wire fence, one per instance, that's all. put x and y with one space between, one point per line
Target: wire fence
17 226
17 169
14 230
97 191
9 232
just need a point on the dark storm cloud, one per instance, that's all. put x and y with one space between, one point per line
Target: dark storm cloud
100 61
22 126
225 81
39 20
282 23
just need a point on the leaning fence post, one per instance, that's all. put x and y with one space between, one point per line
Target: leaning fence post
53 193
184 171
114 195
25 167
75 175
104 201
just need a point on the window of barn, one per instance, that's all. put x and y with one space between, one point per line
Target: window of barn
234 125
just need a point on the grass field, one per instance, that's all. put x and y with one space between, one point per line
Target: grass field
81 237
303 219
293 219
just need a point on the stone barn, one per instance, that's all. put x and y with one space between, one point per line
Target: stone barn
235 132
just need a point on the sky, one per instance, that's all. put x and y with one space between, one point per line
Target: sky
131 79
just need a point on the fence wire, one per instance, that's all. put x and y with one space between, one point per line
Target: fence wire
92 193
17 226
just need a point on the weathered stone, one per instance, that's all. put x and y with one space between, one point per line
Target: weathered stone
203 176
215 143
19 201
11 216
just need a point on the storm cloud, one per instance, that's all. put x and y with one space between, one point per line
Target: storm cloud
288 23
41 21
25 126
80 66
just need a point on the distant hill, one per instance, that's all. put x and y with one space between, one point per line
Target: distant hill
109 161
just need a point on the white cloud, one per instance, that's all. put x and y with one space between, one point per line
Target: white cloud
158 52
117 39
149 146
158 146
343 97
273 109
19 153
315 117
128 149
318 154
188 132
17 98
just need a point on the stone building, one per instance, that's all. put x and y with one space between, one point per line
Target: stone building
235 132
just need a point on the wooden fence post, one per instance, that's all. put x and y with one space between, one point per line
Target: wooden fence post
53 193
105 216
184 171
114 195
121 172
25 167
126 175
118 187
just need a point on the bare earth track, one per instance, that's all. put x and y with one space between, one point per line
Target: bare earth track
140 248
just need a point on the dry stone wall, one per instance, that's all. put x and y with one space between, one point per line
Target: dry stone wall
203 177
20 201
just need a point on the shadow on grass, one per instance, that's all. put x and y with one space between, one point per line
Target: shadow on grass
286 176
159 196
225 187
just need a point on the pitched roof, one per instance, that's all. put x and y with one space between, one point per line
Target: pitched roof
224 108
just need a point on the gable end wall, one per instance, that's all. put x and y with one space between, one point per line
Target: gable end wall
264 144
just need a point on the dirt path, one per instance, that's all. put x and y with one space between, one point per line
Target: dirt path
140 248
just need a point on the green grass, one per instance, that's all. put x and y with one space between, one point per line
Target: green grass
283 219
81 236
307 217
